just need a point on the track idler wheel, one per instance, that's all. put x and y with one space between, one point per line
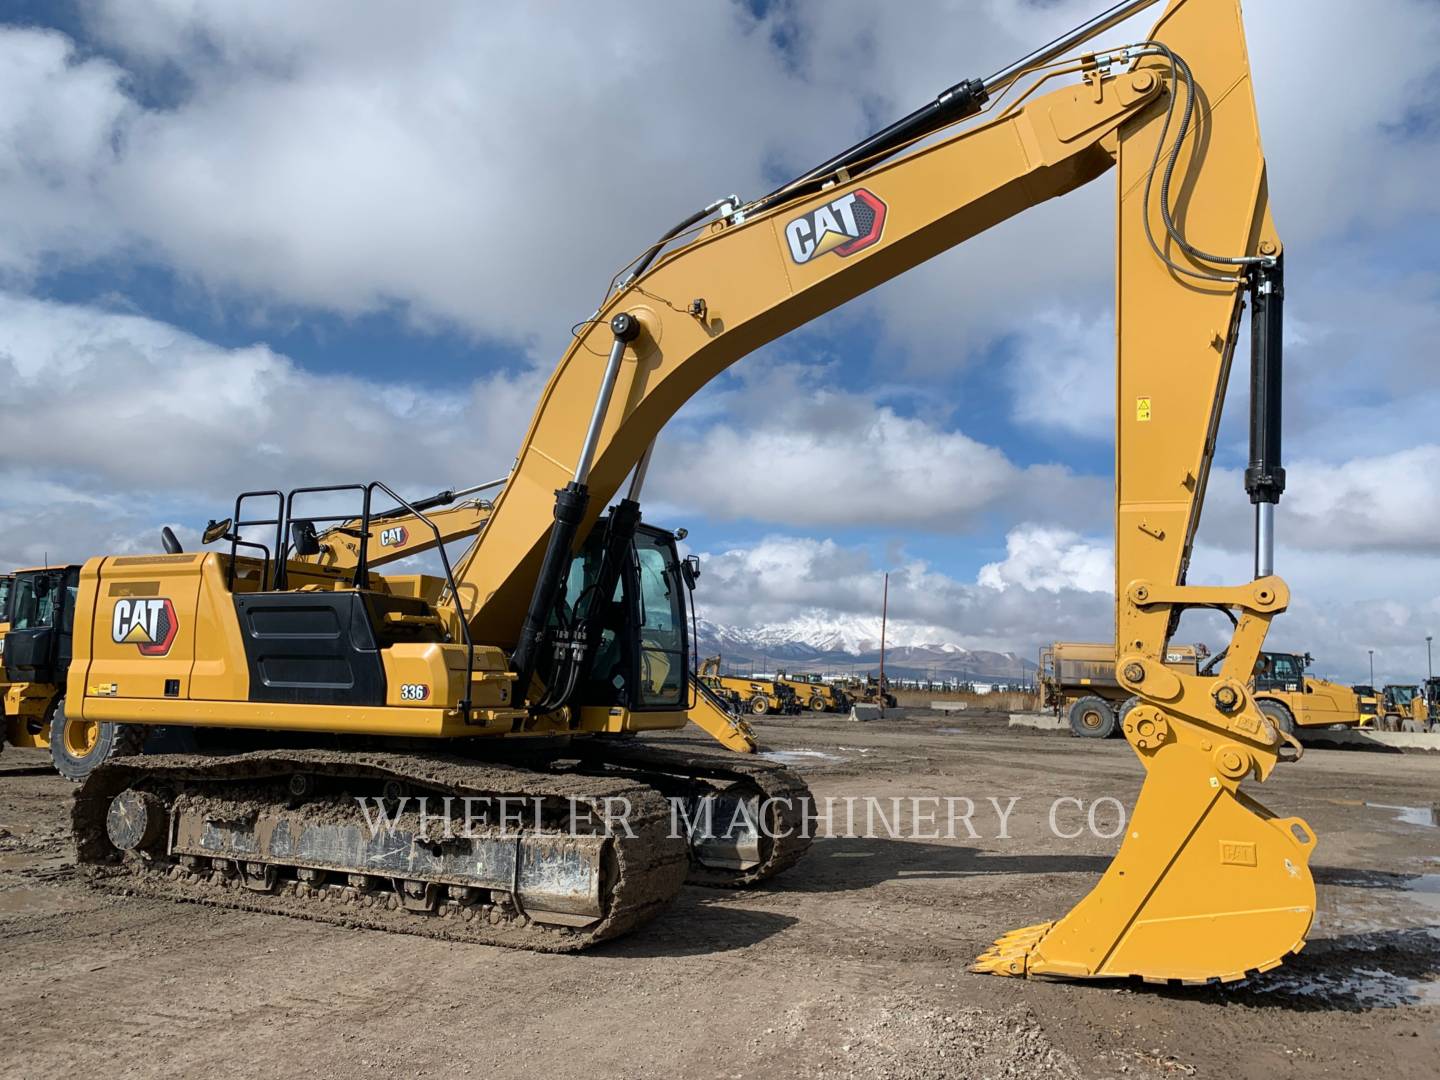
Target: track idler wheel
1207 884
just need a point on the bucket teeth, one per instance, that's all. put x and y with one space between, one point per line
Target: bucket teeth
1011 952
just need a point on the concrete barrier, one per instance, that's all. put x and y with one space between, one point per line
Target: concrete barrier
1321 738
1039 721
1371 740
949 706
862 713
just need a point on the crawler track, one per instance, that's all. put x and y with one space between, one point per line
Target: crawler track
785 798
637 871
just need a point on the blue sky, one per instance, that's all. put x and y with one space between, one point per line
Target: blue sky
333 242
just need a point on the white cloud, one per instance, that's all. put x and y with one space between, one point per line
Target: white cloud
773 579
120 404
1062 377
793 450
1053 560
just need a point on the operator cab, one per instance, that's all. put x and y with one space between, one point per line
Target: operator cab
637 641
40 610
1281 671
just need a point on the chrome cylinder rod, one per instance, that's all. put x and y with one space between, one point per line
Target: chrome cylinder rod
1067 42
637 478
626 329
1264 539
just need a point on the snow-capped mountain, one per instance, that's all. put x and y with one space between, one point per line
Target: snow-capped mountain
854 634
817 640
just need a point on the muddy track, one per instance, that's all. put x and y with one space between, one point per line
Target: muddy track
645 865
787 799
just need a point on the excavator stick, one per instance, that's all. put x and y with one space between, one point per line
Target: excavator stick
1208 884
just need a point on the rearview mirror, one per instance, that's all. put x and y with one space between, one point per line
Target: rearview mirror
216 530
690 571
303 540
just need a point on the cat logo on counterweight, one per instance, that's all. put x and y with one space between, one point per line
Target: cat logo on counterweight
149 623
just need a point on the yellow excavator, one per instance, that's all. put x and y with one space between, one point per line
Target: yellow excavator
562 632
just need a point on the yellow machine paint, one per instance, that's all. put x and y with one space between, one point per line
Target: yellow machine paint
814 693
1403 707
757 695
1207 883
28 693
1298 700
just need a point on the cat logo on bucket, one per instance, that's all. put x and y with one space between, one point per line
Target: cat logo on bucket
845 225
395 536
149 623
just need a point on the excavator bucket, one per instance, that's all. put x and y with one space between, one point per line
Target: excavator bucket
1207 885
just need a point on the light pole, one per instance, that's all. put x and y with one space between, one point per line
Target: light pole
1429 667
1372 669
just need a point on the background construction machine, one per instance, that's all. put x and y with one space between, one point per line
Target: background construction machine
814 693
1078 680
755 694
1405 707
35 648
1294 699
869 690
565 624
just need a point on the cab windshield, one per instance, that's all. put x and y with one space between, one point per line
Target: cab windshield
662 622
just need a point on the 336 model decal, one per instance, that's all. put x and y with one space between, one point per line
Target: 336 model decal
844 225
148 622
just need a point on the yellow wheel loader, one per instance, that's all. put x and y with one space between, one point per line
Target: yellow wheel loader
815 694
375 716
1403 707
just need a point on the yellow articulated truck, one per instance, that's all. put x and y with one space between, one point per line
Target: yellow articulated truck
1295 700
815 694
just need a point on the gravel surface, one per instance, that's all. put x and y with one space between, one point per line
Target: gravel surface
851 964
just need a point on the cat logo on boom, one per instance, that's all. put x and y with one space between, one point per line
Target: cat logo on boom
149 623
395 536
845 225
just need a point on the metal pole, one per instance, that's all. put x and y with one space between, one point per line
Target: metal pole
884 613
1372 669
1429 665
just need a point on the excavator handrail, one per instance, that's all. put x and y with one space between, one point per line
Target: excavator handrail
449 579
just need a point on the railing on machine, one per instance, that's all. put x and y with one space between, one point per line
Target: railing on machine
285 519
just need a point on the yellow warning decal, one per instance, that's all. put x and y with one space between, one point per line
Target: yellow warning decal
1142 409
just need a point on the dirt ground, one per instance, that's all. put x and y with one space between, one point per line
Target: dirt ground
853 963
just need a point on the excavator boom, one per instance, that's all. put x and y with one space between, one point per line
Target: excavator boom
1174 117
